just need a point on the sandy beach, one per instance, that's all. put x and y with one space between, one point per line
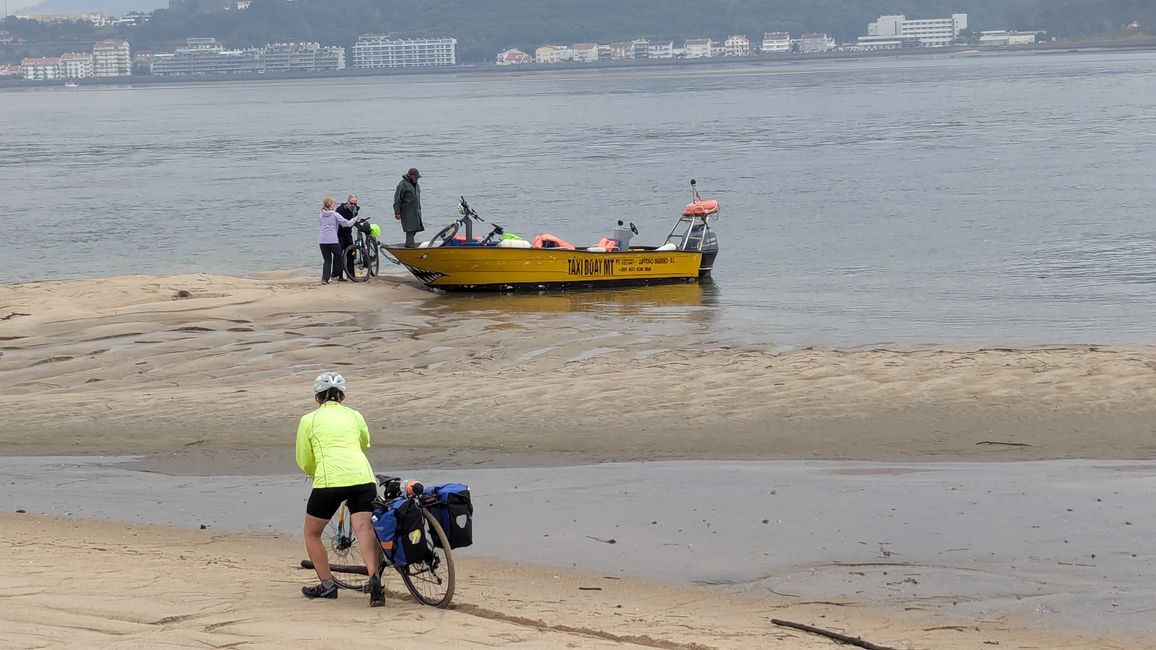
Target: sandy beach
92 584
206 376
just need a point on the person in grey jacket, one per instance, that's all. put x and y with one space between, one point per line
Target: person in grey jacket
407 206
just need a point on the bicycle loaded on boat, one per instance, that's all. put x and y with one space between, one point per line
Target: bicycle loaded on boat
416 528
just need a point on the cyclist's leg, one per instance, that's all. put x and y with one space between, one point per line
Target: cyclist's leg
314 526
367 541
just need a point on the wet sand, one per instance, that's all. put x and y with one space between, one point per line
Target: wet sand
218 378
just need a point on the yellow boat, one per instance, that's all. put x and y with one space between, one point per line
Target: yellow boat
462 263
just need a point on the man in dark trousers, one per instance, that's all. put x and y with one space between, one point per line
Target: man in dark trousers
407 206
348 210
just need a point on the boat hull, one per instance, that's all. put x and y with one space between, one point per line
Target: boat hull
468 268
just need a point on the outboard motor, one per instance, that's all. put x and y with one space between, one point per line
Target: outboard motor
709 252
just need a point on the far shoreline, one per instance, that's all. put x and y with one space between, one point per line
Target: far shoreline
488 70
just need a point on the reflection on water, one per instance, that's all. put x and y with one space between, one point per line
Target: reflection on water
683 301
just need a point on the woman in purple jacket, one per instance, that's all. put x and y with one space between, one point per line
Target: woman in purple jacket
331 250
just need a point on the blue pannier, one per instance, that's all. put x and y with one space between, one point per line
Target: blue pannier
401 531
454 511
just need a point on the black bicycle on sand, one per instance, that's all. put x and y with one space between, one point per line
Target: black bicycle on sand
430 579
365 251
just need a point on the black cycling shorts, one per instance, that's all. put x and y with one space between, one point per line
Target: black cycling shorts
324 502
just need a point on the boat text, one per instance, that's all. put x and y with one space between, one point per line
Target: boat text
591 266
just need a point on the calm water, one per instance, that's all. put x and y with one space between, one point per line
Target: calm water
989 200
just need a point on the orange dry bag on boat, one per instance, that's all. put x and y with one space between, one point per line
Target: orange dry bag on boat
550 241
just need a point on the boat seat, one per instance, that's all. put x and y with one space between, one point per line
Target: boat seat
668 246
514 243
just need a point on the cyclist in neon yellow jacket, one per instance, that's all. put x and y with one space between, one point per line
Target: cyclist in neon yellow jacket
331 444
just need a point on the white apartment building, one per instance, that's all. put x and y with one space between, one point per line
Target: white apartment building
41 68
776 42
933 32
660 50
111 58
584 52
737 45
1001 37
376 51
698 48
621 51
815 43
301 57
205 56
641 48
76 65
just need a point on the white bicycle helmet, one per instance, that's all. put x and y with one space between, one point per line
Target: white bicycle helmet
327 380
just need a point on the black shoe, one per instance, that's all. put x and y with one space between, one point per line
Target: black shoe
376 593
320 591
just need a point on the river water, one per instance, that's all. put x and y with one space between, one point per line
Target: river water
1062 544
952 200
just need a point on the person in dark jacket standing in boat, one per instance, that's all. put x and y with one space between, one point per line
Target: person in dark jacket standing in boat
407 206
349 210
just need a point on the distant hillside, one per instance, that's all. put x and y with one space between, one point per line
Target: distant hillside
483 27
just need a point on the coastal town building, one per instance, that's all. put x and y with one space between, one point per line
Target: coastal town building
875 43
815 43
301 57
131 19
584 52
548 54
205 56
377 51
6 38
9 70
621 51
933 32
776 43
42 68
514 57
111 58
76 65
641 48
664 50
737 45
698 48
1005 38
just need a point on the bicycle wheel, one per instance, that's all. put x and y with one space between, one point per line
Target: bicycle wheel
341 543
360 270
374 259
431 582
